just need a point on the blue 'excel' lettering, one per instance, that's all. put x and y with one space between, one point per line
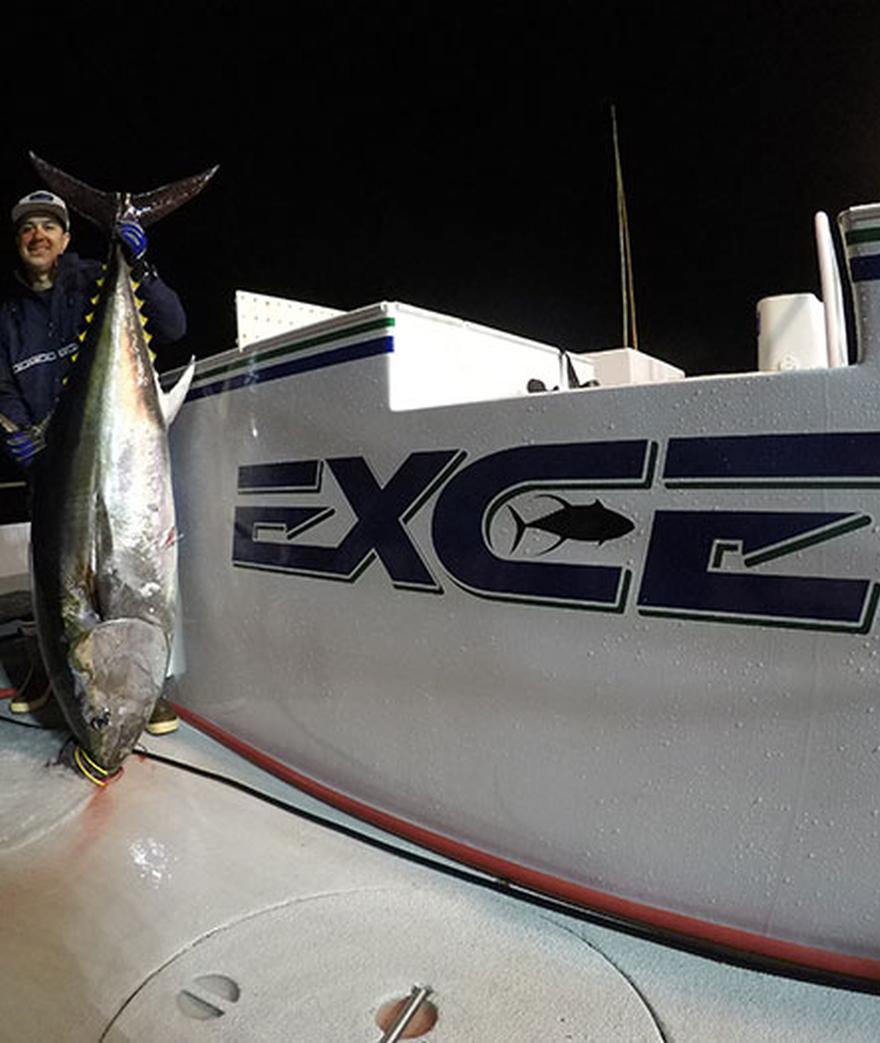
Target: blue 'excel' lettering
264 537
711 565
700 564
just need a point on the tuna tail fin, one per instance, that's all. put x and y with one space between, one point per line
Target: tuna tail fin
105 209
150 207
520 529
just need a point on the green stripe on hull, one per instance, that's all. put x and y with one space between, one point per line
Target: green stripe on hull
289 349
863 235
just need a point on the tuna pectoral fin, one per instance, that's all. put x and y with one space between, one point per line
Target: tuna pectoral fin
172 400
119 668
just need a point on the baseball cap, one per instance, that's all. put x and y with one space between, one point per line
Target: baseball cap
41 202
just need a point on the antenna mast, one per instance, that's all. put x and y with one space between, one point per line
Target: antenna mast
627 290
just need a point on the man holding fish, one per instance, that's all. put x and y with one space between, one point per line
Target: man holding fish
42 319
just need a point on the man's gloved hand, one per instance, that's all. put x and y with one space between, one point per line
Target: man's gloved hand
24 445
133 240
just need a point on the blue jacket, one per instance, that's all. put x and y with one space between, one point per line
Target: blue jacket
39 331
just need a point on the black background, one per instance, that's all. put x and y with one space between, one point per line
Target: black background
459 157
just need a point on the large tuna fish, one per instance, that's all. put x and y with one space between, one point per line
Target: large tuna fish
104 541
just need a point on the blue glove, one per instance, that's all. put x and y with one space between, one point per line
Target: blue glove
24 445
133 239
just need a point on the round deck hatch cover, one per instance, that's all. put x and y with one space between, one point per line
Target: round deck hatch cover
320 968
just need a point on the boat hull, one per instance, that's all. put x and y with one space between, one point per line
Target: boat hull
675 725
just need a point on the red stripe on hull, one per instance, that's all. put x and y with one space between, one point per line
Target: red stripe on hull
685 927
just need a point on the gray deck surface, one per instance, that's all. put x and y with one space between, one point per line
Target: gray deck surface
172 906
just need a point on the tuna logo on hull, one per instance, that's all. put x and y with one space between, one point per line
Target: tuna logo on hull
587 523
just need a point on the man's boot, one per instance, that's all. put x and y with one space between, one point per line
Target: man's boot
164 719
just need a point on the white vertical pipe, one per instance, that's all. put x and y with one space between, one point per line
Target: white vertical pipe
832 294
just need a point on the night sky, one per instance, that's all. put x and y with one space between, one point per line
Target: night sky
459 157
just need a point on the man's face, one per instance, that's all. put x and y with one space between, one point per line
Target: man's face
41 240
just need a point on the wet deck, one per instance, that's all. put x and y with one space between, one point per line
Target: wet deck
204 899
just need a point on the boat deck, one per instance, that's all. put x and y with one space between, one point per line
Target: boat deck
197 897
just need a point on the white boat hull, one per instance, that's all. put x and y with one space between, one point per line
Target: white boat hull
679 725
